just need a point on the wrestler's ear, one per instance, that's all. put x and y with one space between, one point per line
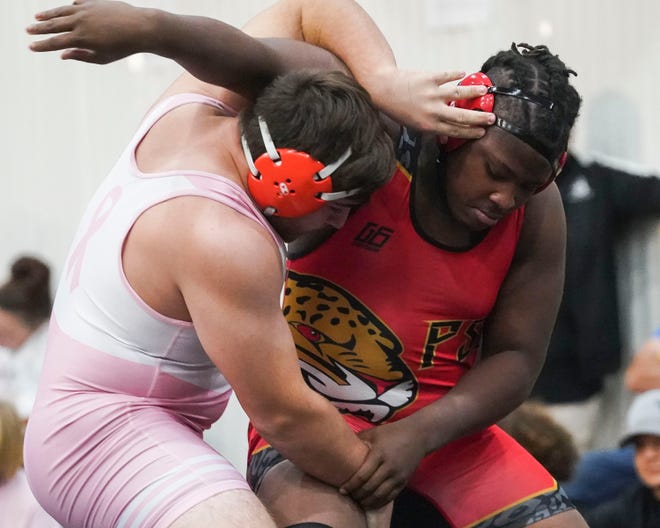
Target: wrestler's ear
483 103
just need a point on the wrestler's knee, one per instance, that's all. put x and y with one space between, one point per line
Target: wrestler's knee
566 519
229 509
293 499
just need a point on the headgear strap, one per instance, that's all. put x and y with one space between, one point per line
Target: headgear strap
520 133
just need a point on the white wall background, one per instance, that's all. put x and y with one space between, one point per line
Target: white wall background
64 123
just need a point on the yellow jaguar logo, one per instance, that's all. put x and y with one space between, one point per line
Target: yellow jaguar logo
346 353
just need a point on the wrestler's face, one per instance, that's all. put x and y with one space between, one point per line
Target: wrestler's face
647 461
489 178
332 214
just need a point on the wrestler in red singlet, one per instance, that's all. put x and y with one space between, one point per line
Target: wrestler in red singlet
385 322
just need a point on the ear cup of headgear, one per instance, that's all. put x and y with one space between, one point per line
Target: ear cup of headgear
556 171
289 187
289 183
484 103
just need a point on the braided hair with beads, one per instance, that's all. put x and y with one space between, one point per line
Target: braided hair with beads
536 71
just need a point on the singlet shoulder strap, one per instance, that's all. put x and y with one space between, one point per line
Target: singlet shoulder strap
170 103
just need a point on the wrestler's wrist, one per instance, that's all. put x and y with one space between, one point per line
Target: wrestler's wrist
158 33
383 84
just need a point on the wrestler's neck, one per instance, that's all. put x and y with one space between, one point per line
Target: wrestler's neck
194 137
433 214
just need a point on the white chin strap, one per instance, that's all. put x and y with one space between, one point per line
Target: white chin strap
328 170
324 173
248 157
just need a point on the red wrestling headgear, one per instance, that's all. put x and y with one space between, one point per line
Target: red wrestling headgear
486 102
289 183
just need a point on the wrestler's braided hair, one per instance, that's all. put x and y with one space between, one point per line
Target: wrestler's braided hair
535 70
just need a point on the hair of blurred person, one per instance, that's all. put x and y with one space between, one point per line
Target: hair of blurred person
25 301
11 442
547 440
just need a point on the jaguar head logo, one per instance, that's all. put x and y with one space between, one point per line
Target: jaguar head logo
346 353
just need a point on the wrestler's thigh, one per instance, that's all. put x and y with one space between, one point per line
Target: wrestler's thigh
567 519
293 497
229 509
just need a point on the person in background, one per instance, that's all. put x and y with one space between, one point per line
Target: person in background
532 426
25 306
600 202
603 474
639 507
18 507
643 371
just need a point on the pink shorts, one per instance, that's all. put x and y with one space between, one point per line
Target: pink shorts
97 456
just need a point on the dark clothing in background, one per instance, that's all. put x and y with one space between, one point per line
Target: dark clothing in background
637 508
586 344
601 476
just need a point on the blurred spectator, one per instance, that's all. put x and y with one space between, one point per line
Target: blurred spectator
18 507
25 305
602 475
547 440
586 344
643 373
639 507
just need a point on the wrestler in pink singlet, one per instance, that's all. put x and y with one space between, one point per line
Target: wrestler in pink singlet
115 437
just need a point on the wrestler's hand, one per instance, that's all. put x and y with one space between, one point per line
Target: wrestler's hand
422 100
97 31
393 457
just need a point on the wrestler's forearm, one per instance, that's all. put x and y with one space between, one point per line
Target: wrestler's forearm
418 99
305 428
516 333
215 52
340 26
483 396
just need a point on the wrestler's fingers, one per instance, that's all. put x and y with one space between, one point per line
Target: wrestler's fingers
457 92
56 12
83 55
380 485
60 42
447 77
384 492
362 475
459 131
381 497
467 118
56 25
